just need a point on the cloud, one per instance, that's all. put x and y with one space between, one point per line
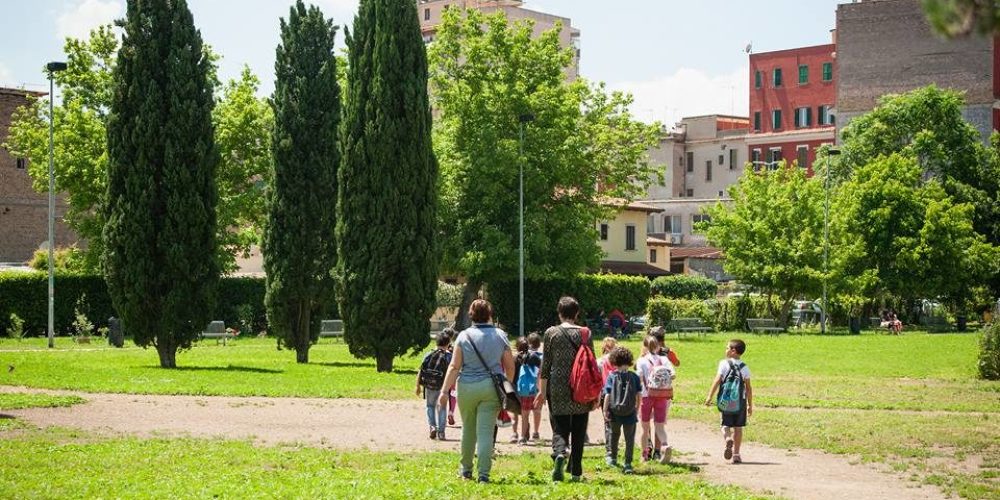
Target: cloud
81 16
688 92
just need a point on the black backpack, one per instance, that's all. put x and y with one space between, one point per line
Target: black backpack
623 395
433 368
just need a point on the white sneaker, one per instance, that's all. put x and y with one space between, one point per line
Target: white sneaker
665 453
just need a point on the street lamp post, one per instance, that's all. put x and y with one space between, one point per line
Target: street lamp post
52 68
522 120
826 234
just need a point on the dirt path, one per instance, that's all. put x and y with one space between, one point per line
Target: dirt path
354 423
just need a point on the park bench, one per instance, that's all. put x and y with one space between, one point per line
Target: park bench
437 325
937 324
217 330
764 325
331 328
685 325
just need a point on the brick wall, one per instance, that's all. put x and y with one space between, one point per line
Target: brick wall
23 212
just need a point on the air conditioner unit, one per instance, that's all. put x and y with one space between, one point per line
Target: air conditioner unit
676 239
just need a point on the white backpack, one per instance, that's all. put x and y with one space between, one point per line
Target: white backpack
660 382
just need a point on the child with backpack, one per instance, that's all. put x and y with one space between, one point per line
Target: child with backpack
430 378
607 368
621 405
735 400
656 374
535 350
526 365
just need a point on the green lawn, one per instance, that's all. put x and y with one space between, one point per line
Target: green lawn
19 400
910 401
67 464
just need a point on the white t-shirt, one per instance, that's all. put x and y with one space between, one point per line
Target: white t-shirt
645 367
724 370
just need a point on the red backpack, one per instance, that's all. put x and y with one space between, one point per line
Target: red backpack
584 377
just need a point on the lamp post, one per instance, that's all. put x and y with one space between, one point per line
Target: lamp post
521 120
52 68
826 233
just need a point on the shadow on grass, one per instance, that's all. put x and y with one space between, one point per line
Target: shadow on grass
359 364
6 416
230 368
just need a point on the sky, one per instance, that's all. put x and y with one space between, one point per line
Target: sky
677 57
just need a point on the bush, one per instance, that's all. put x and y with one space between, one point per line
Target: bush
70 259
989 353
683 286
449 295
16 328
661 310
732 312
594 292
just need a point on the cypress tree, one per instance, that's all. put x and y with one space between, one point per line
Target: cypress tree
386 202
160 232
299 247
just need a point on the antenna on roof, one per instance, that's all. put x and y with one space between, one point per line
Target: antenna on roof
749 48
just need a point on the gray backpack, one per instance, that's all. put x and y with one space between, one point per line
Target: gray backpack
624 391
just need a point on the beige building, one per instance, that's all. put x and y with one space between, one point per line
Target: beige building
704 155
23 212
626 246
430 17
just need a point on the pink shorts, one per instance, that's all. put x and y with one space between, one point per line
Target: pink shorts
655 408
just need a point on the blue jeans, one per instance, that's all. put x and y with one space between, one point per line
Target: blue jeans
436 415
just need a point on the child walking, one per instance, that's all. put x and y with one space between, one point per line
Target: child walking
621 406
735 400
656 374
604 364
526 365
430 378
535 350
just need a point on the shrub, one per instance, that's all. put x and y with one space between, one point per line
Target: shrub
661 310
989 353
732 312
82 326
16 328
70 259
594 292
449 295
683 286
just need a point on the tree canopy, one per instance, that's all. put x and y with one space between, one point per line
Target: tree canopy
582 150
957 18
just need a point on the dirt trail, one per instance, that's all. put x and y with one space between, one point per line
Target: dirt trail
355 423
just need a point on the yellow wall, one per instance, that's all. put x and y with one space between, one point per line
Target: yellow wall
662 257
614 247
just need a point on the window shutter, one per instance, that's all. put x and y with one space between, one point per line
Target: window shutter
798 120
809 116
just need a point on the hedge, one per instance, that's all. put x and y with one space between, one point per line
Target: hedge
26 294
683 286
728 314
594 292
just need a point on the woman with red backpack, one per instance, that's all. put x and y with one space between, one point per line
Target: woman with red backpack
569 369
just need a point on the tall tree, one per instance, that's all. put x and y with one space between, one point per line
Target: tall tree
160 238
299 244
772 232
582 149
387 199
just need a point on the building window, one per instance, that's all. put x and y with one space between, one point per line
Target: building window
756 121
708 171
690 162
773 157
824 117
732 159
696 218
721 194
690 193
604 231
827 72
21 163
802 153
630 237
757 79
652 255
427 14
651 224
777 77
803 117
776 119
755 156
721 157
672 224
803 74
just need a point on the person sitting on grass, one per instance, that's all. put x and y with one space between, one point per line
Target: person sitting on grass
621 406
735 400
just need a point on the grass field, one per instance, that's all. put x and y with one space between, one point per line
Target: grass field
91 467
910 401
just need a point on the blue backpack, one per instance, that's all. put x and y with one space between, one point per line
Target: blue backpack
527 380
730 399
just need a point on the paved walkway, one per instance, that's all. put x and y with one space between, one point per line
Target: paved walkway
355 423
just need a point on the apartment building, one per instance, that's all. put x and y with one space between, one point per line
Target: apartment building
792 97
430 12
888 47
705 155
627 248
23 212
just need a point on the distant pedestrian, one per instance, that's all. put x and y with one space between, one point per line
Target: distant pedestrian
430 379
527 364
735 399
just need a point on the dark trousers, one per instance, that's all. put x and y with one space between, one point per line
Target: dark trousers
616 432
568 431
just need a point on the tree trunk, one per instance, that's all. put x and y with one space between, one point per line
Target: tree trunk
168 354
469 293
383 362
786 306
302 334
